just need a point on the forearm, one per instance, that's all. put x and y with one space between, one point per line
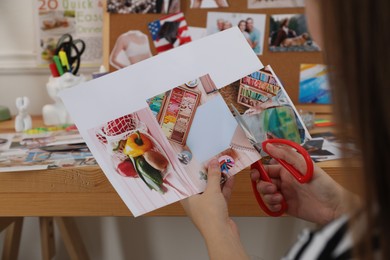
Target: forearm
225 245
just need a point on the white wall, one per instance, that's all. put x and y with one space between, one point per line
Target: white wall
160 238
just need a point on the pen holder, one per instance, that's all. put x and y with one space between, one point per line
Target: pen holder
56 114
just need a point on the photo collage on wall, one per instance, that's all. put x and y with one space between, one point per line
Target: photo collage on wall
286 33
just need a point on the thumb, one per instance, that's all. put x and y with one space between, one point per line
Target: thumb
213 176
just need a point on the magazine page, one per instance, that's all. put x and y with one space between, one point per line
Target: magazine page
265 108
41 148
154 134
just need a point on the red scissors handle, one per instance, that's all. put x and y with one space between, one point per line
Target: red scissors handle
296 174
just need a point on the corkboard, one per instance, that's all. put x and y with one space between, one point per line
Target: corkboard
286 65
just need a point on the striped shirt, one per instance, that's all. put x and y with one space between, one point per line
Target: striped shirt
333 241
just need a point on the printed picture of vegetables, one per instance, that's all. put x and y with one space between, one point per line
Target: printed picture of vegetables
143 161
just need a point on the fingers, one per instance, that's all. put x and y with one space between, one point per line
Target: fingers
289 155
213 177
269 191
273 172
228 188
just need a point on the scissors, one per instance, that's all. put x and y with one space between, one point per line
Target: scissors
260 144
73 49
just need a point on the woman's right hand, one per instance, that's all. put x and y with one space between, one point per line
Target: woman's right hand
320 201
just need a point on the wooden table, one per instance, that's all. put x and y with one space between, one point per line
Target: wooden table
85 191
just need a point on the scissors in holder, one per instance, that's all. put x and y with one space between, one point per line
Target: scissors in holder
301 178
73 49
259 137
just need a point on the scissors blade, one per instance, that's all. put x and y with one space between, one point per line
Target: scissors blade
241 122
248 133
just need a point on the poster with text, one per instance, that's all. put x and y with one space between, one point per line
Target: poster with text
83 20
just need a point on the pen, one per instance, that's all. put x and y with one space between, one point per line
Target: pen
64 59
58 64
53 69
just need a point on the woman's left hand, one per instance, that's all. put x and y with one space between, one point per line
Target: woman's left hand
209 212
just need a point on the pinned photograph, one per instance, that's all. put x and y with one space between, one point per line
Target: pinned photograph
209 3
314 85
169 32
143 6
251 25
130 48
259 4
289 32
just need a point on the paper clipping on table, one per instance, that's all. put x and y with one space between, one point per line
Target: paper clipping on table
146 124
43 150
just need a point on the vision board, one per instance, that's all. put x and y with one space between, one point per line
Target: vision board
287 65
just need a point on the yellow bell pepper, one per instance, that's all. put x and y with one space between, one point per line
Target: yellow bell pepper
137 144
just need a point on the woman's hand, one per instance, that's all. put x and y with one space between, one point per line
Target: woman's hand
209 212
320 201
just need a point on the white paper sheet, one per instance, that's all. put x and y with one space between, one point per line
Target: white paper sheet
225 56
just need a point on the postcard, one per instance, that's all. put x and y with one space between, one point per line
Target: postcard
314 85
209 3
169 32
289 32
252 26
150 125
143 6
258 4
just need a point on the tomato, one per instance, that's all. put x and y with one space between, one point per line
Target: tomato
126 169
